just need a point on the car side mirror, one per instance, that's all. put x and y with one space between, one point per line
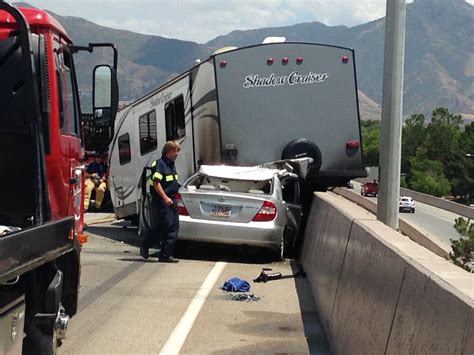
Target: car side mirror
105 95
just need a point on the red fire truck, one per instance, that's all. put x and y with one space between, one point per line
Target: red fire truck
42 176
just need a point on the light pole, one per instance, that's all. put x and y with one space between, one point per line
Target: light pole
392 107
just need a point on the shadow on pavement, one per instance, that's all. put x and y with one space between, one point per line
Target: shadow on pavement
118 232
123 231
221 252
313 327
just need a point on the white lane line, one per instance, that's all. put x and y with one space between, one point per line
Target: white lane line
177 338
431 214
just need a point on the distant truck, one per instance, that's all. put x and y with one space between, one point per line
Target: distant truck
42 177
245 106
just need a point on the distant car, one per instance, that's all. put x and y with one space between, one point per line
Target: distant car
370 188
252 206
406 204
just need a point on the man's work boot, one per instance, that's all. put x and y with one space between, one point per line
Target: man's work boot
144 252
168 260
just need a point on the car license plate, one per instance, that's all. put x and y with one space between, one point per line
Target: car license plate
220 211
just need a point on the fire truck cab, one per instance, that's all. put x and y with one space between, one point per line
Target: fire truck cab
42 176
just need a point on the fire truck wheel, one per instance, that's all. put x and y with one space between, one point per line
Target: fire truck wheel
39 341
135 220
302 148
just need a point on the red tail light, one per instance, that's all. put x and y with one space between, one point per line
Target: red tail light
267 213
352 144
181 208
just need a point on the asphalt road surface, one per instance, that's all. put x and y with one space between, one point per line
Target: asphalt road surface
437 222
131 306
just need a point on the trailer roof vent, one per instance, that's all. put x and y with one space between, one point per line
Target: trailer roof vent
224 49
274 40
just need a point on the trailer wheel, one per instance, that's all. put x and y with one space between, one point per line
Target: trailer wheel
301 148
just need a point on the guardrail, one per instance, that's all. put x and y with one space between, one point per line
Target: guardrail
446 205
415 233
377 291
439 202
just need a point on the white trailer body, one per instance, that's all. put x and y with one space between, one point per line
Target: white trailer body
247 106
169 113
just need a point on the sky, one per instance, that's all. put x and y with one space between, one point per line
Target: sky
203 20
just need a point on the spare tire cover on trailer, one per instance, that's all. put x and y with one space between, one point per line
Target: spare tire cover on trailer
303 148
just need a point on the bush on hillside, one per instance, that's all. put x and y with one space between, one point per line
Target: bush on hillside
463 249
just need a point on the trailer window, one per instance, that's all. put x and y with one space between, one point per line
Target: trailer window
175 123
125 155
147 131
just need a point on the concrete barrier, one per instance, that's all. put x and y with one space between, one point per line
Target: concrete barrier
415 233
379 292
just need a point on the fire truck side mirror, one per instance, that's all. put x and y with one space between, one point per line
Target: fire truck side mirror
105 95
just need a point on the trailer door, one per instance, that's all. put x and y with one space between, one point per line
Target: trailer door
178 126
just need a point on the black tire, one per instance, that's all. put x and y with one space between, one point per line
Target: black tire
289 241
413 211
135 220
39 341
302 148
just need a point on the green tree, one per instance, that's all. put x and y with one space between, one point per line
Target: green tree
467 146
443 139
442 143
371 142
413 135
428 177
463 249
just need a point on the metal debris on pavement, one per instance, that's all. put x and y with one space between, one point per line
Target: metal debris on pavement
247 297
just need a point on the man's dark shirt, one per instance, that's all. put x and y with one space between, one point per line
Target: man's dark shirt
165 173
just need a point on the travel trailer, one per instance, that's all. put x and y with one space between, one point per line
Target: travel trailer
245 106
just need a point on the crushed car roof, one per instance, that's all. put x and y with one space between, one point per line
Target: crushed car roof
252 173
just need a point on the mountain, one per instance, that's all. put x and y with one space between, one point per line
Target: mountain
439 56
439 61
145 61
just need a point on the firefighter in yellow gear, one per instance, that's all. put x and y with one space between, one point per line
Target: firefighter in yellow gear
95 180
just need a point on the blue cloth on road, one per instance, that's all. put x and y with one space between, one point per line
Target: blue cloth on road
236 284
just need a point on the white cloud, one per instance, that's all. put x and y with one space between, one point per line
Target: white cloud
203 20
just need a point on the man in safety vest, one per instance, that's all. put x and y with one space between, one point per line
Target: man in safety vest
165 218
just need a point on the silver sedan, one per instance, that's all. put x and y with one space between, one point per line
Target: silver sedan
252 206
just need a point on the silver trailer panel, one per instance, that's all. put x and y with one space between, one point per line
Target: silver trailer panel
269 95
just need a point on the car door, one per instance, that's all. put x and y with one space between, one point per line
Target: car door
290 187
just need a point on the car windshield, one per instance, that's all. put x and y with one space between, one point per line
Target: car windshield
406 199
212 183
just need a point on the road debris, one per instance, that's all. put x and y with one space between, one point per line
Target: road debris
243 297
236 284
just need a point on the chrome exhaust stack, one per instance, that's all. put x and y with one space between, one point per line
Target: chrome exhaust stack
61 323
